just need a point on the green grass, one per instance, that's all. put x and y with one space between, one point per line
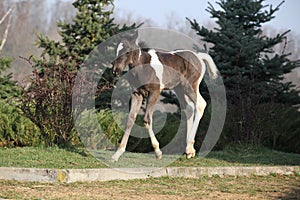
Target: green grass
54 157
244 156
51 157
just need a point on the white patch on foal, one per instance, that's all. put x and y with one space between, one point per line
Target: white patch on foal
157 66
119 48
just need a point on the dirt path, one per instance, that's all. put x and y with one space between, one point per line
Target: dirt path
266 187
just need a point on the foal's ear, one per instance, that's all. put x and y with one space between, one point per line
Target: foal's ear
134 36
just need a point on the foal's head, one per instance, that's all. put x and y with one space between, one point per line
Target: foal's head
127 53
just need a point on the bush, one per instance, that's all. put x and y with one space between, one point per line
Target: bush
284 128
105 131
48 102
99 130
273 125
16 129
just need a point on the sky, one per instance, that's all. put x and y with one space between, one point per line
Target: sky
159 10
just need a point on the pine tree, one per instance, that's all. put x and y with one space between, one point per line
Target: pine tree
92 25
48 102
245 56
253 73
8 87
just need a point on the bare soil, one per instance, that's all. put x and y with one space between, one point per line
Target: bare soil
255 187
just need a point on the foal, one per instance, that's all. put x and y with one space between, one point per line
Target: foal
181 70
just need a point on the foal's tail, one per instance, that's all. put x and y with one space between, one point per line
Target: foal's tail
210 64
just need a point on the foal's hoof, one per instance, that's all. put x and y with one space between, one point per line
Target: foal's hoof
114 159
158 154
190 155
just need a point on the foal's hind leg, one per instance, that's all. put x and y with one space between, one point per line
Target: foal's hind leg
188 107
190 150
151 101
191 98
136 102
199 110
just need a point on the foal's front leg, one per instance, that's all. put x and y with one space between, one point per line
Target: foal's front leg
136 102
151 101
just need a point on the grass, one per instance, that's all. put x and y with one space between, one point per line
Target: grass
273 186
228 187
54 157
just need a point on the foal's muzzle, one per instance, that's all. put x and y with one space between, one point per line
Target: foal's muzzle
116 72
114 69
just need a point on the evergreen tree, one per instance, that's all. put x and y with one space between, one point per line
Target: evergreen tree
253 73
8 88
92 25
48 102
245 56
15 129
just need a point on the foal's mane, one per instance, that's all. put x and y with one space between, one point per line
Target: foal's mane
143 45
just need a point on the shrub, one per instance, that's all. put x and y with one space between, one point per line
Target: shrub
283 127
99 130
104 131
16 129
48 103
273 125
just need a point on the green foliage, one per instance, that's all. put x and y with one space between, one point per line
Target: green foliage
48 102
252 72
273 125
106 131
91 26
283 126
245 56
16 129
99 130
4 64
8 88
110 125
